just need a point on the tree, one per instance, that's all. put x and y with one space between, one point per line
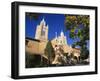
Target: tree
32 60
78 26
49 52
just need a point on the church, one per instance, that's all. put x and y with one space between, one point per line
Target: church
37 45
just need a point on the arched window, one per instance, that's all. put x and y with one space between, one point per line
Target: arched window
43 31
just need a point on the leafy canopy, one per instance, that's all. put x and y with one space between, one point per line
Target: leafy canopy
78 26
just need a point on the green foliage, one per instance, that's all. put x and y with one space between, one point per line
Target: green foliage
32 60
78 25
84 54
49 51
73 25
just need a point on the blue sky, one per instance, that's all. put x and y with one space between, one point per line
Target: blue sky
55 23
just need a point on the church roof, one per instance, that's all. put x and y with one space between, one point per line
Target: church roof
27 38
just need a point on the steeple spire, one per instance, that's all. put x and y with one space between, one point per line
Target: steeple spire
56 34
62 33
43 22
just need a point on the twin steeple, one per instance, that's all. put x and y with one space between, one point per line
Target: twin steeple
60 40
61 34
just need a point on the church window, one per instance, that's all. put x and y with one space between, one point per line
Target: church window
43 32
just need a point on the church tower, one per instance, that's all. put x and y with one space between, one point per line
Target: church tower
42 31
62 39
